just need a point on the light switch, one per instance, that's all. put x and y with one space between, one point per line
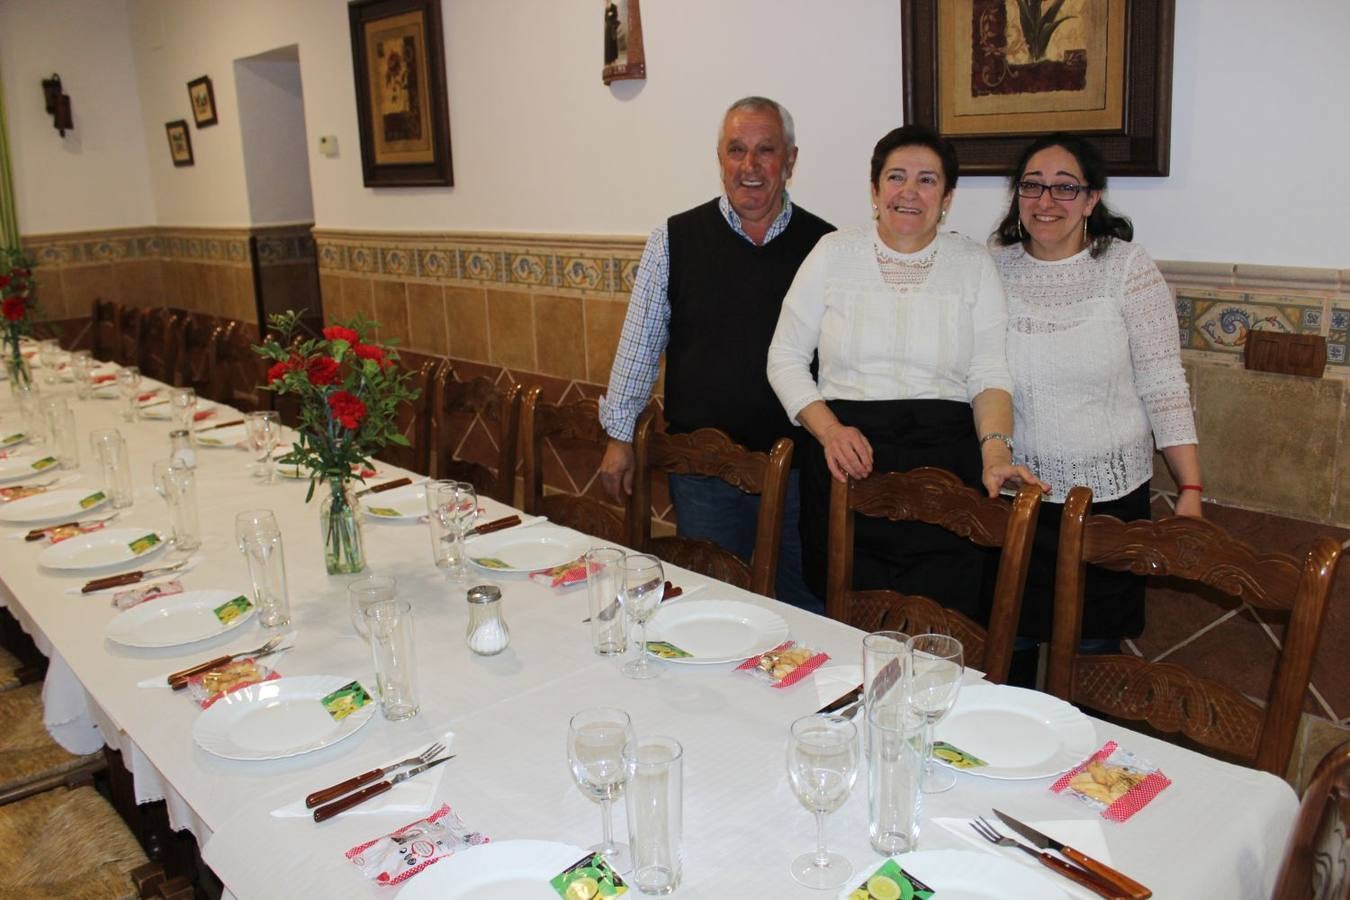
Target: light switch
328 145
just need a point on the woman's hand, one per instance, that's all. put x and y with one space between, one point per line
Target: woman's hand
996 475
1188 504
847 452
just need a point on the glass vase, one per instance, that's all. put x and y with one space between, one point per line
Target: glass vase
16 367
344 553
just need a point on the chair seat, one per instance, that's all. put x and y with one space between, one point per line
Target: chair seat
9 670
68 844
27 751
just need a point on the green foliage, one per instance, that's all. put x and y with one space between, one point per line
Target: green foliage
1037 26
349 389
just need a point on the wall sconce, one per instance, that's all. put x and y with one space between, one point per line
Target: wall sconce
58 104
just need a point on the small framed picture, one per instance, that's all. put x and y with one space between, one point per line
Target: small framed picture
180 143
203 101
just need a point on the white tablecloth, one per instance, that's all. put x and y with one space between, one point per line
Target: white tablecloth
1219 830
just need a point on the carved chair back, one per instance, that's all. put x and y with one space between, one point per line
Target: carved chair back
412 419
160 343
130 336
937 497
475 418
1317 858
198 337
569 429
1169 698
106 343
712 452
238 374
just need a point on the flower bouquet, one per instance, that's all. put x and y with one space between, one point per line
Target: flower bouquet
16 304
349 392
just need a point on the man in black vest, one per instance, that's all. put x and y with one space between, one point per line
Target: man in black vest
707 294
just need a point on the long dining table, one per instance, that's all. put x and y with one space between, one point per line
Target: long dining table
1218 830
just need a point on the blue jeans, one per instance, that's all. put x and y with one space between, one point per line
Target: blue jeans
709 508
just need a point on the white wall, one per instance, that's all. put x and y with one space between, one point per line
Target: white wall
96 176
540 145
272 131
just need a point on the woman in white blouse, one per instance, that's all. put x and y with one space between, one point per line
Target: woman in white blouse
1096 366
909 327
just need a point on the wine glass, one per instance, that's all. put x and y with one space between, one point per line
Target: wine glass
183 402
264 433
595 740
456 507
937 664
642 589
48 351
822 761
129 380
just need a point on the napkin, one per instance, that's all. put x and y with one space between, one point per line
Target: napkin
833 682
1086 835
162 681
152 564
414 795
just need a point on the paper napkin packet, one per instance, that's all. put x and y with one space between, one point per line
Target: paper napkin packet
590 876
138 595
395 857
891 882
1113 781
566 575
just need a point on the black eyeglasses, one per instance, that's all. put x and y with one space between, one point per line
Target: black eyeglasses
1033 189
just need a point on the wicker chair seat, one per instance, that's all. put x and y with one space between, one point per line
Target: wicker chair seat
67 844
27 751
9 670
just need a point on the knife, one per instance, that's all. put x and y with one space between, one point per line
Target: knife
219 425
179 680
387 486
848 699
609 612
324 813
109 581
1101 872
501 524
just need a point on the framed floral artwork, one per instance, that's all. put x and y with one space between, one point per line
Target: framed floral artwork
991 74
180 142
398 55
203 100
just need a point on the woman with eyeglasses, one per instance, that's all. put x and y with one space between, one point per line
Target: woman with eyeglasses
1096 366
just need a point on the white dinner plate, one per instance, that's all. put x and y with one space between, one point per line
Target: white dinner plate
163 411
405 504
105 547
717 631
68 372
176 619
968 875
221 437
49 506
12 439
515 869
276 719
528 550
1020 733
26 465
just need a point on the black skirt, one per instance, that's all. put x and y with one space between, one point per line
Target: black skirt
1113 602
910 557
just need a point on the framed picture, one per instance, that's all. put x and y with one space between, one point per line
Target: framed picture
203 101
992 74
624 57
399 59
180 143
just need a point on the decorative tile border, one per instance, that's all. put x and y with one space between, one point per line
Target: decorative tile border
282 245
92 247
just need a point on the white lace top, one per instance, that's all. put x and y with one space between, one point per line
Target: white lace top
928 325
1095 356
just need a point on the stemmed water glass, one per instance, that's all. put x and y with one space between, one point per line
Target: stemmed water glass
642 589
595 741
48 353
129 380
937 664
822 761
455 508
183 403
264 433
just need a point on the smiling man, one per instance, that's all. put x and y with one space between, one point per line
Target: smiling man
707 295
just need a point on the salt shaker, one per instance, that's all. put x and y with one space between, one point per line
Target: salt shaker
487 633
180 448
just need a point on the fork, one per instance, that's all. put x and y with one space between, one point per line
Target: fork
1081 876
350 784
179 680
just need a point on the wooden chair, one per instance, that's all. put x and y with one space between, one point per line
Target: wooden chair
412 420
106 345
237 374
578 423
198 337
456 407
30 760
161 343
130 336
709 451
937 497
1317 859
1172 700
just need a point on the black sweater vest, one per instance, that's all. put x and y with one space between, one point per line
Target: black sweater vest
725 294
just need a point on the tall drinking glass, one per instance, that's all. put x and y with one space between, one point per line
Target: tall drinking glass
82 368
183 406
595 741
937 664
453 505
654 796
65 444
116 462
390 625
367 591
177 484
822 760
48 353
604 581
894 767
129 382
260 542
29 398
643 587
885 674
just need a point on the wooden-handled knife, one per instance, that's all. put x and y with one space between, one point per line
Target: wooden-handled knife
1109 877
324 813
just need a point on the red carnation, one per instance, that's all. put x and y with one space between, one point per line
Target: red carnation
338 333
322 370
4 281
277 370
20 272
370 351
13 309
347 409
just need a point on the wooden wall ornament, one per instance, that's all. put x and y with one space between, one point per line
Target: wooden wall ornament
1288 354
624 58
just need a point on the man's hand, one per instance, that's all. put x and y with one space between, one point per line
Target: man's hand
616 469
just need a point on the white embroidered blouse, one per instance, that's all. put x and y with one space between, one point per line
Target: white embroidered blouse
1095 357
928 325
